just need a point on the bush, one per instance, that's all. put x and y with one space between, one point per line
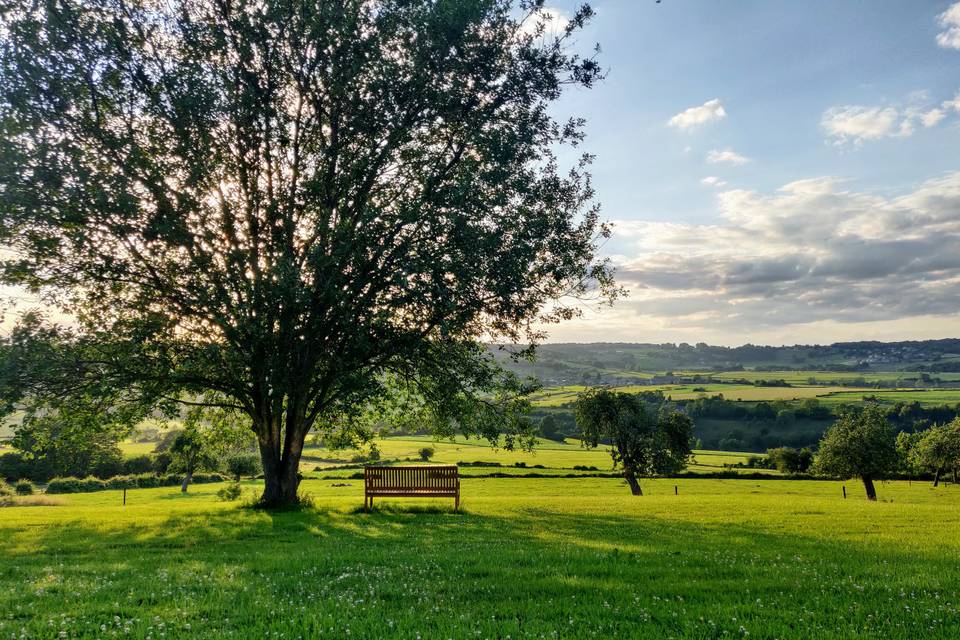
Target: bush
14 466
141 481
230 492
426 453
65 485
24 488
5 489
122 482
138 464
243 464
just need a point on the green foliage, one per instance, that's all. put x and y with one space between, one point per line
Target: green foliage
860 444
642 444
143 481
5 489
279 210
135 465
426 453
790 460
230 493
23 488
242 464
937 449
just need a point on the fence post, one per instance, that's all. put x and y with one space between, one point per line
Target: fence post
676 490
844 491
124 496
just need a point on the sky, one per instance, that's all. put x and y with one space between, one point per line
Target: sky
777 172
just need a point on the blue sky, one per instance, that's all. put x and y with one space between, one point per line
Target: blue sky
843 115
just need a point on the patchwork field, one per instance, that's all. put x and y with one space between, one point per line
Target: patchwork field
556 396
528 558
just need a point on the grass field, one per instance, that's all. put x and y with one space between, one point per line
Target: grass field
551 558
556 396
801 377
557 456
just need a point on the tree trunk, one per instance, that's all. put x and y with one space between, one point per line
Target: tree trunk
187 477
281 466
634 484
955 476
871 490
936 477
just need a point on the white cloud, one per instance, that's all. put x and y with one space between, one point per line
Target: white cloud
713 181
859 123
709 111
949 38
726 156
953 104
933 117
553 20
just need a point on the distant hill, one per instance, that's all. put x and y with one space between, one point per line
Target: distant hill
573 363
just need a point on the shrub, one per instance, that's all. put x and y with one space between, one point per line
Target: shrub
230 492
5 489
23 487
138 464
148 481
65 485
243 464
426 453
121 482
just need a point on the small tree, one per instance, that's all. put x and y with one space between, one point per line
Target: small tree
426 453
190 454
938 450
860 444
642 444
242 464
550 428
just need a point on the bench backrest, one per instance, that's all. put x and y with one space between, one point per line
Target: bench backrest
421 478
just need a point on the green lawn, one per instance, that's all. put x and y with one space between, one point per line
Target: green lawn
529 558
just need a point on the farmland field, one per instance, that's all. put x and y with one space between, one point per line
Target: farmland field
556 396
529 558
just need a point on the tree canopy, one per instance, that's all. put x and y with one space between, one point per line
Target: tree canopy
860 444
282 207
643 443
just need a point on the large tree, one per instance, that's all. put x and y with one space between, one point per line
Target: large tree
281 206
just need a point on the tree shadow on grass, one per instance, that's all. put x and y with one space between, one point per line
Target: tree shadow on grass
430 571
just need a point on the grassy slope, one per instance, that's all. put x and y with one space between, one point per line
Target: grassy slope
528 559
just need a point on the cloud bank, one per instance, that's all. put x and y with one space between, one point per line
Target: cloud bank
813 251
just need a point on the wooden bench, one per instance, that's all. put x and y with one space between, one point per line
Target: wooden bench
434 481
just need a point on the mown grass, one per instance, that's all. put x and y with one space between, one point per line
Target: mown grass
551 558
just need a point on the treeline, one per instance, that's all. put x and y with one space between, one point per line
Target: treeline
740 426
